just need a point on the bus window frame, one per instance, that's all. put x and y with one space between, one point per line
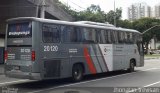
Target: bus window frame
57 27
64 33
89 41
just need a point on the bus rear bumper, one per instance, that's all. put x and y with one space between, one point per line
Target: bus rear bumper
23 75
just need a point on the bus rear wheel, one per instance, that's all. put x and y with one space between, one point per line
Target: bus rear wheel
132 65
77 72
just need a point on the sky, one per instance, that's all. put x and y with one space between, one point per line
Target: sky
107 5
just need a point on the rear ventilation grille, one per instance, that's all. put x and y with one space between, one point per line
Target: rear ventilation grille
52 68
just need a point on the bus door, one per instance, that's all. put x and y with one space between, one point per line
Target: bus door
18 49
141 53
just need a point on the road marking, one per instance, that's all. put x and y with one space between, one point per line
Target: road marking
152 84
91 81
134 90
13 82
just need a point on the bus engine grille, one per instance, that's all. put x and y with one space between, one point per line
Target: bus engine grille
52 68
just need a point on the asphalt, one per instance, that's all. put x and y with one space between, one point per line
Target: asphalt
147 76
1 69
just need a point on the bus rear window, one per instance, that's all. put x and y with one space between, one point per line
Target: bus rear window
20 30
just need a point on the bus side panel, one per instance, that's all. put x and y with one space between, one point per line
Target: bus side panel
36 65
107 53
118 57
54 59
90 55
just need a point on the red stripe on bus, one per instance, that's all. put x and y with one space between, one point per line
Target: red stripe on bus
89 61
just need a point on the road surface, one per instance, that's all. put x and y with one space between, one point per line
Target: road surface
144 80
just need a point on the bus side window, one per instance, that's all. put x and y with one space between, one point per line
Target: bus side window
129 37
78 34
120 37
71 34
75 35
67 31
89 35
114 37
135 38
107 36
102 36
126 39
50 33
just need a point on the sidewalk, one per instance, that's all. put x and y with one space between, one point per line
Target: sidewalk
148 58
1 69
153 56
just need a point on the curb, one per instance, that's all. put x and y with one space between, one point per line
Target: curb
151 58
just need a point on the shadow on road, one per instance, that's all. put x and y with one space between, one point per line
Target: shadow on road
45 84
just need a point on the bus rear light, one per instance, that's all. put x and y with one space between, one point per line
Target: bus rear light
33 55
5 55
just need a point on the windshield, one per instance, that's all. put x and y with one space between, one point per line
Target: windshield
19 30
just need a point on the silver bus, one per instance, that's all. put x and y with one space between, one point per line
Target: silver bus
51 49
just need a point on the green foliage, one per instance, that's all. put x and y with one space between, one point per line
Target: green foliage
111 14
145 23
124 24
93 13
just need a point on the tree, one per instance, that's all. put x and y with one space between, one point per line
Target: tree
144 24
111 14
94 8
124 24
92 13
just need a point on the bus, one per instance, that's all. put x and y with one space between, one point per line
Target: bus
40 49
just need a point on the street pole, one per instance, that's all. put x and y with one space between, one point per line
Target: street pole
114 14
37 10
42 15
149 29
67 3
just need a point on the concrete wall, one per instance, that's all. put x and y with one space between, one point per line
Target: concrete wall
53 9
1 42
15 8
28 8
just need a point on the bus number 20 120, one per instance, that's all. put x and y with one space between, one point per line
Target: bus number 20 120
51 48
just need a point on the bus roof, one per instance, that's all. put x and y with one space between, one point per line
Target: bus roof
72 23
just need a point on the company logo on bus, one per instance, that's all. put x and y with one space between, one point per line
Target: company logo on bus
20 29
19 33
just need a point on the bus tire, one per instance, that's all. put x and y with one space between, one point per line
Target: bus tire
77 72
132 65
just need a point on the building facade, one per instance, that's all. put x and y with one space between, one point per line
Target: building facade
138 10
156 11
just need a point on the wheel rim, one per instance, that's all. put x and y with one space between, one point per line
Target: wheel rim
77 74
132 66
